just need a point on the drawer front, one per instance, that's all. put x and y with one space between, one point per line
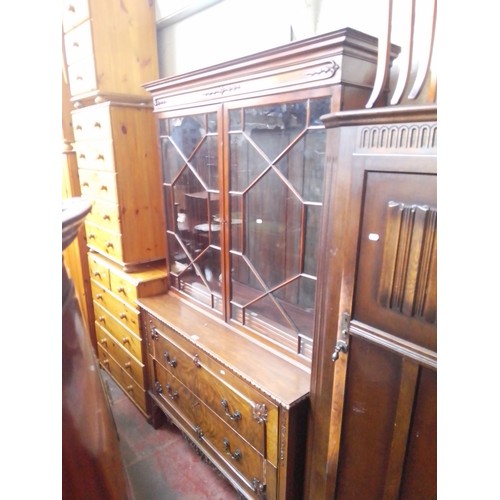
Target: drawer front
106 215
91 123
104 241
97 185
119 309
123 288
244 409
82 77
127 362
78 43
209 427
73 13
129 340
123 379
95 155
98 272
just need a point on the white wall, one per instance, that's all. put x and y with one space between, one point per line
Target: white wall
232 28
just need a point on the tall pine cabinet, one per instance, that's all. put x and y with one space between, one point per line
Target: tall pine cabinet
110 51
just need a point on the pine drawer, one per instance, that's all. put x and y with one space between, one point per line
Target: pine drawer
127 362
122 378
121 310
125 337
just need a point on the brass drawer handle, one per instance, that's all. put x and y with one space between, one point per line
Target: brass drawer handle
104 187
158 387
168 360
172 394
100 157
82 156
91 236
126 340
109 244
127 364
130 388
154 333
235 416
106 217
227 448
199 432
196 361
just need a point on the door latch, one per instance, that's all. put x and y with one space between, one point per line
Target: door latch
341 345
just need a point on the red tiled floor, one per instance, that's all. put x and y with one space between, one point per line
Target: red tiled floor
161 463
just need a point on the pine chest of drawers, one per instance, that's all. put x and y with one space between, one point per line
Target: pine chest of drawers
118 170
110 48
120 346
248 421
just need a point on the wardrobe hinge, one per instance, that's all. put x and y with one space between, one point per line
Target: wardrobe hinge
342 345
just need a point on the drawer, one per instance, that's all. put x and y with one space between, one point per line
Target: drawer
106 215
73 13
127 362
78 43
122 378
126 338
122 287
95 154
98 271
97 185
238 404
209 428
82 77
91 123
118 308
103 241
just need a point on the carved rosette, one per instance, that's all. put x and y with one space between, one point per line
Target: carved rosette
260 413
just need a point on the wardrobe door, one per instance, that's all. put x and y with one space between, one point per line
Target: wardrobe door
388 434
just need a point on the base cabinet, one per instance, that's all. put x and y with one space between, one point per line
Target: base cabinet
250 430
119 343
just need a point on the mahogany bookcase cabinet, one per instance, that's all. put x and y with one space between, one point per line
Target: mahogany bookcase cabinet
229 346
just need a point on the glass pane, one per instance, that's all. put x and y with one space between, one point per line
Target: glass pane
186 133
246 162
246 286
205 162
273 128
303 166
237 225
273 229
311 238
235 119
172 160
319 107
